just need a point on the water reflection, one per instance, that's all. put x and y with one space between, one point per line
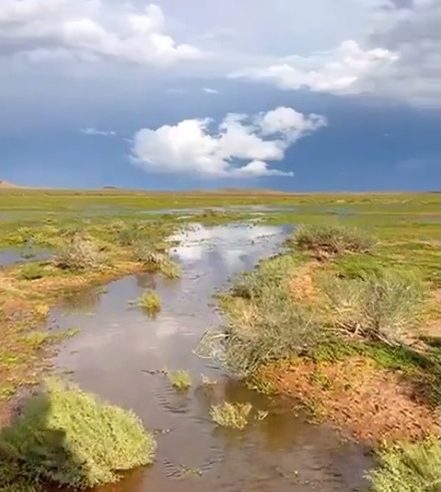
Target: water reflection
120 350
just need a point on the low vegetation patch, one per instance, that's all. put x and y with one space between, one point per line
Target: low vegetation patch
71 438
331 239
233 415
79 254
408 467
32 271
150 302
180 379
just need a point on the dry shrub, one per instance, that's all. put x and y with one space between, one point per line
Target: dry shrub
79 254
331 239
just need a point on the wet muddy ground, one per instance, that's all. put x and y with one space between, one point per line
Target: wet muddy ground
120 352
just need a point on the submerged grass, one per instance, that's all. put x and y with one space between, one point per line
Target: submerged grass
180 379
150 302
408 467
233 415
70 437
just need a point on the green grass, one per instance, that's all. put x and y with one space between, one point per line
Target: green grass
408 467
150 302
180 379
233 415
72 438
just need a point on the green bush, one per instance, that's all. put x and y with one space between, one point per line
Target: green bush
70 437
79 254
409 467
387 307
32 271
331 239
234 415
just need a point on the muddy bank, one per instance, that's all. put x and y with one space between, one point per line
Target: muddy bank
120 352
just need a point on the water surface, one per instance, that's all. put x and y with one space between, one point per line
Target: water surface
119 349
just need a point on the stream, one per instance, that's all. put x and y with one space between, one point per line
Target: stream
119 348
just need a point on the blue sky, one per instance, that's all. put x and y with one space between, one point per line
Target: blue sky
307 96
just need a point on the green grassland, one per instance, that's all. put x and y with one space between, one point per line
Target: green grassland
96 236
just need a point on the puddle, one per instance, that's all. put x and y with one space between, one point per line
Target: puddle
119 346
16 255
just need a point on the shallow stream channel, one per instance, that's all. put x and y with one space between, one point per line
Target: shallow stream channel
120 352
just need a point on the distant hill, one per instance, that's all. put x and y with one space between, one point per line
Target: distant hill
245 191
6 184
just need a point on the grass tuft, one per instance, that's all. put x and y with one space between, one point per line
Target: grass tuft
150 302
71 438
408 467
234 415
180 379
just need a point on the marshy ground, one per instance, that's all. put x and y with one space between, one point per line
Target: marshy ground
75 309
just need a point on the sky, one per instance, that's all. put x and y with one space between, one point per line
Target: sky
324 95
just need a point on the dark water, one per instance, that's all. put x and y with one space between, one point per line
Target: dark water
118 343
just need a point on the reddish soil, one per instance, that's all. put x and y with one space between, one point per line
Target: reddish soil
364 401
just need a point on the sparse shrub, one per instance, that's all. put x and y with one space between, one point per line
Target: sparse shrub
272 327
408 467
150 302
180 379
79 254
71 438
331 239
385 307
32 271
233 415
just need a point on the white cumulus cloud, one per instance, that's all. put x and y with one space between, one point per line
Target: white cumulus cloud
209 90
240 146
335 71
88 30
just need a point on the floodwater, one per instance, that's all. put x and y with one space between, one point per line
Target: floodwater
119 349
15 255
